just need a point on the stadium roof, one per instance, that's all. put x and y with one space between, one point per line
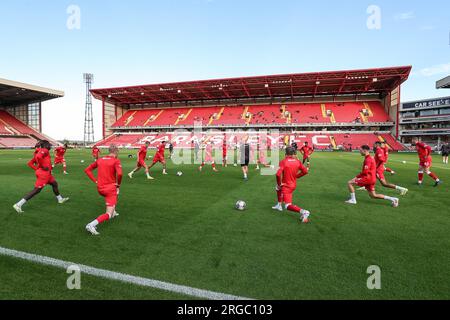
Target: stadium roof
14 93
443 84
380 80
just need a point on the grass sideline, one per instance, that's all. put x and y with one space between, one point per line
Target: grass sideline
184 230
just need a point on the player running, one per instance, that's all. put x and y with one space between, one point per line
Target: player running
142 155
290 170
380 160
424 151
368 178
42 165
109 178
59 157
306 151
386 154
159 157
95 152
208 157
224 154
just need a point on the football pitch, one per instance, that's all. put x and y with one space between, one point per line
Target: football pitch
185 231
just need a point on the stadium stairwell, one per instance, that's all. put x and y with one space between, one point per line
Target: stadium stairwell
333 142
154 118
369 110
244 114
211 120
184 117
130 118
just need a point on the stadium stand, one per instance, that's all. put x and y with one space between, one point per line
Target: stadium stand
20 113
364 112
331 110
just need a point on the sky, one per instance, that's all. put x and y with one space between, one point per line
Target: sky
52 43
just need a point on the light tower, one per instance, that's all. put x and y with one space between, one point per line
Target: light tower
88 117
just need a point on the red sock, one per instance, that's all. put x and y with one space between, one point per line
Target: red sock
280 196
433 176
214 165
420 176
388 169
103 218
294 208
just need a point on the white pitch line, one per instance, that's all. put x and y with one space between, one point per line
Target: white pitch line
166 286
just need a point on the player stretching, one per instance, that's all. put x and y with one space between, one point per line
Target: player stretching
424 151
290 170
307 151
59 157
42 165
142 154
159 157
109 178
386 154
224 154
368 178
380 160
208 158
95 152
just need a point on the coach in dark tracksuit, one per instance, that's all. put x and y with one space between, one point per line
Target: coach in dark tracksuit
245 158
445 149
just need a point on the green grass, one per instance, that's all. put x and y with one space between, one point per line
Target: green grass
185 230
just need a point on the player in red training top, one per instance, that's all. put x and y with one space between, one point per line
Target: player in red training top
380 160
208 157
42 165
224 154
385 147
368 178
306 151
424 151
109 178
95 152
290 170
142 155
59 157
159 157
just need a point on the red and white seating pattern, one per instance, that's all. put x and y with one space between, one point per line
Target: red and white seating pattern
319 140
301 113
15 133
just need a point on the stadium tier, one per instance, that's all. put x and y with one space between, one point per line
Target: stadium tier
20 113
15 133
256 115
320 140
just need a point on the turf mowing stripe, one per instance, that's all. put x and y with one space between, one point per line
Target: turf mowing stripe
193 292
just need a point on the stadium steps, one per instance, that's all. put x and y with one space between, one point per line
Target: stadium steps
153 118
219 115
333 142
130 118
184 117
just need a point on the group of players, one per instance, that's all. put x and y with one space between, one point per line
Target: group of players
109 173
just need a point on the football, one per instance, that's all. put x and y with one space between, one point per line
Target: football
179 173
240 205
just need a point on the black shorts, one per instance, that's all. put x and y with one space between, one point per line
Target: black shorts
245 163
445 154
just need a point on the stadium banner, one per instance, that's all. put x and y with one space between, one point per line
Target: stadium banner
430 103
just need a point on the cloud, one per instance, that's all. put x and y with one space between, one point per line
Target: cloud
433 70
405 16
